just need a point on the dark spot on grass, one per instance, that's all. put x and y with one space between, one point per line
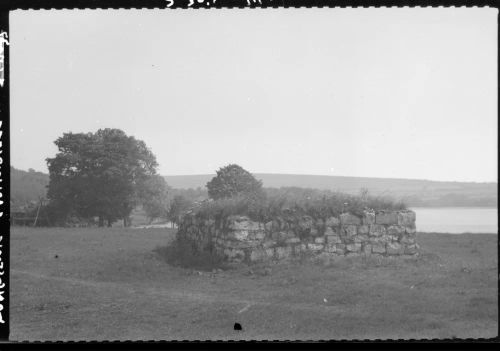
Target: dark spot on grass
237 326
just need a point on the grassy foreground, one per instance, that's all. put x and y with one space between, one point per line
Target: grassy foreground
114 284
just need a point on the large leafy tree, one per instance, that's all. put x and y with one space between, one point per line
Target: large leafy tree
99 174
232 180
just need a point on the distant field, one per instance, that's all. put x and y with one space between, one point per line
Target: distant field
110 284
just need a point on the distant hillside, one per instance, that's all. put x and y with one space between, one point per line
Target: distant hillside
414 192
26 186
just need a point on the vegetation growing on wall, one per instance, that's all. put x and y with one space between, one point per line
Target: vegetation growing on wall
293 203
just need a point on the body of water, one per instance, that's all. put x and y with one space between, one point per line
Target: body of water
457 220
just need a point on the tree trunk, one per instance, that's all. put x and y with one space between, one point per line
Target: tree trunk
109 223
101 221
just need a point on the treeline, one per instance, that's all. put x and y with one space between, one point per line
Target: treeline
98 179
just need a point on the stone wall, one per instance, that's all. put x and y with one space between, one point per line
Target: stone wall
238 239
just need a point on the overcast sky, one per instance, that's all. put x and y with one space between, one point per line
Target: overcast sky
406 93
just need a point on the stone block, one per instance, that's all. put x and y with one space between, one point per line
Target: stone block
353 247
258 255
395 249
314 232
275 236
377 230
283 252
363 229
269 243
332 222
234 254
349 230
306 222
406 218
240 234
410 229
259 235
283 236
239 244
296 249
340 249
268 226
407 239
292 241
361 238
269 252
319 240
368 217
411 249
315 247
386 217
331 248
329 231
333 239
384 239
276 226
395 230
347 218
394 238
242 223
367 249
379 248
299 248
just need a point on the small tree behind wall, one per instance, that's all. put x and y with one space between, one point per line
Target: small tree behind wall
232 180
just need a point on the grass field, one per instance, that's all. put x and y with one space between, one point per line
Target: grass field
114 284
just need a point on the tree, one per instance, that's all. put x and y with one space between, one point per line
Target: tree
178 207
153 196
99 174
232 180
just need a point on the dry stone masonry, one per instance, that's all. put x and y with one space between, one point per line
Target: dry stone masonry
239 239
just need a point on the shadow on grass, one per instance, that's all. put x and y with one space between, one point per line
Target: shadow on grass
181 253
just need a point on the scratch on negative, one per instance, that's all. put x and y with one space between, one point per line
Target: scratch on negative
245 308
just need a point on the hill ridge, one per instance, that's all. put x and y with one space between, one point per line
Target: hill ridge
29 185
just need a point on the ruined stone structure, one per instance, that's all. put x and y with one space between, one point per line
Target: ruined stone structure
238 239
